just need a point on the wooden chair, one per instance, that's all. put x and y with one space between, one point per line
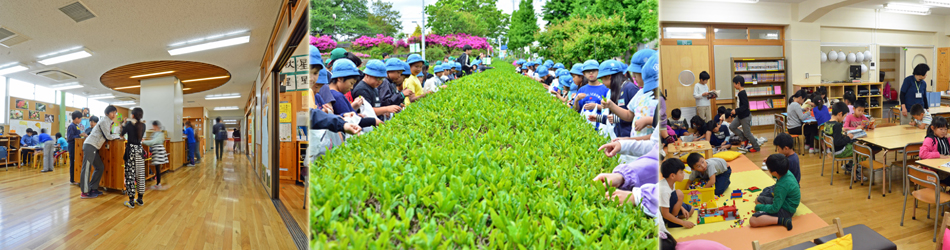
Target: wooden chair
828 142
777 127
799 139
810 236
862 150
928 191
62 156
943 226
37 157
911 155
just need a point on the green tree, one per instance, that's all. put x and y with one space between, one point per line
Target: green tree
648 26
524 26
556 11
383 19
347 18
417 32
581 38
474 17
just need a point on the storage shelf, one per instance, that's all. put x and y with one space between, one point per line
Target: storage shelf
753 96
781 108
759 71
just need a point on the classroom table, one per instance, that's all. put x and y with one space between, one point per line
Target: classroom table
936 164
32 150
892 139
942 111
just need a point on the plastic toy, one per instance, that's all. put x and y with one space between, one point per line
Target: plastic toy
695 197
712 215
737 194
754 189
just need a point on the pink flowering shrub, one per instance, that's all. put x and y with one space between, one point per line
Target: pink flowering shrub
323 42
366 42
402 44
453 41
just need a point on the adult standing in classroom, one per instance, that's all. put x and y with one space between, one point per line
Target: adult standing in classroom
914 91
220 134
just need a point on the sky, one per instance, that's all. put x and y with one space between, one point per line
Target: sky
411 10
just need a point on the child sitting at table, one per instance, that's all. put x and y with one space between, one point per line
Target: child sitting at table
850 100
857 120
673 207
936 145
715 171
677 123
841 138
922 118
777 204
820 111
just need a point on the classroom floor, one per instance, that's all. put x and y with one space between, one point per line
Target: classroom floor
292 195
210 206
883 214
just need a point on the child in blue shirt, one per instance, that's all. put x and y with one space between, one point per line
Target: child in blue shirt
61 142
820 110
192 143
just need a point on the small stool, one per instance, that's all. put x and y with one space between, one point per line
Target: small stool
64 156
37 156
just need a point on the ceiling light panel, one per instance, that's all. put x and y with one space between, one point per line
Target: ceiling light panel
210 42
205 79
905 8
223 96
153 74
64 56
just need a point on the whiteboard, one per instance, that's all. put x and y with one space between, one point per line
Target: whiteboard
19 126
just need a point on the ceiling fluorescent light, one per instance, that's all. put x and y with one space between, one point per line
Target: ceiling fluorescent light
185 89
222 96
904 8
153 74
245 38
128 87
12 68
123 103
65 86
102 96
69 56
205 79
941 3
226 108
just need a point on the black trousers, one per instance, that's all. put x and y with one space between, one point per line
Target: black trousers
72 161
809 131
219 148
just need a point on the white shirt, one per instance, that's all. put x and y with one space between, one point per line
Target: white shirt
665 193
698 90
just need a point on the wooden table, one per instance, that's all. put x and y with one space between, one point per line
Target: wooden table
703 146
942 111
32 150
893 138
936 164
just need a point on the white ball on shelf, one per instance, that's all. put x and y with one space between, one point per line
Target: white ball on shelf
832 56
841 56
864 68
824 57
859 57
867 55
852 58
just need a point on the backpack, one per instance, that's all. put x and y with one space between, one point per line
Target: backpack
889 92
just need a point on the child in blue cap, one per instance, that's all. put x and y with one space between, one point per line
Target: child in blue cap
367 89
320 118
413 83
435 83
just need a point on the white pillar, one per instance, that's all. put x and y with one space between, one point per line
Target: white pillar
162 100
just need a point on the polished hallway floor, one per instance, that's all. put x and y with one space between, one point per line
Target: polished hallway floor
210 206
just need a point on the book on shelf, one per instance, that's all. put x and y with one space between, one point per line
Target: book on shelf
760 66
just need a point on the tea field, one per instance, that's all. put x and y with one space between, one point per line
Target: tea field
492 161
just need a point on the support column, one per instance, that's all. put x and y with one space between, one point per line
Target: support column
162 100
802 47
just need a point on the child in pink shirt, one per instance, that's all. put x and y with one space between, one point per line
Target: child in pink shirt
857 120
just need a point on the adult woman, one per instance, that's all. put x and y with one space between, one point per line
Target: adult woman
797 116
914 91
134 158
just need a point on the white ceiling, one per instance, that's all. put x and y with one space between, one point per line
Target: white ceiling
875 4
132 31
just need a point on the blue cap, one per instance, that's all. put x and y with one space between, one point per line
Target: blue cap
414 58
524 67
566 80
437 69
558 66
394 64
610 67
521 61
542 71
549 63
458 66
577 69
562 72
315 58
651 73
375 68
324 75
590 65
420 74
343 68
528 64
405 67
638 59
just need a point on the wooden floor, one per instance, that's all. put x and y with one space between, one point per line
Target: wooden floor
292 196
210 206
883 214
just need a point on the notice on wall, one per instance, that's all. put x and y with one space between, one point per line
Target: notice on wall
286 132
19 126
285 112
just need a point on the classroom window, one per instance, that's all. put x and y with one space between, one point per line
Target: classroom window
731 34
764 34
45 94
684 32
97 107
3 105
21 89
79 101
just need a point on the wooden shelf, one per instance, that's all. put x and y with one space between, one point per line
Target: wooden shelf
754 96
768 109
759 71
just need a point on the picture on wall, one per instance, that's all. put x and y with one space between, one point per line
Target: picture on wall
16 114
40 107
34 115
22 104
49 118
85 112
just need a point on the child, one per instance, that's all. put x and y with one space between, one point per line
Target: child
744 114
785 145
49 150
636 180
936 145
850 100
858 120
777 204
797 116
91 161
715 171
700 93
835 128
820 111
342 79
699 129
677 122
72 133
156 145
922 118
434 83
26 141
673 207
718 136
192 144
134 158
415 67
93 121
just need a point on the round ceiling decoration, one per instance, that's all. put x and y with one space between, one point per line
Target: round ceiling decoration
195 76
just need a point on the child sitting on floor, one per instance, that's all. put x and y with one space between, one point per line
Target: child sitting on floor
677 123
718 136
715 171
777 204
922 118
785 145
673 207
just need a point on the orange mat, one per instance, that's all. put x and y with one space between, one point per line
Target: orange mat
743 163
741 238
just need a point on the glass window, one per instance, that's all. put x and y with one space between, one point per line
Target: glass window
684 32
21 89
764 34
731 34
45 94
79 101
97 107
3 105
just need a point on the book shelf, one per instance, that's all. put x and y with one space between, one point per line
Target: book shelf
870 92
12 143
765 86
302 164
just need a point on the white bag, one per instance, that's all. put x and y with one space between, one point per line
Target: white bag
367 110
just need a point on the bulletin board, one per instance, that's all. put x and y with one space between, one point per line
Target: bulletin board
19 126
295 74
32 111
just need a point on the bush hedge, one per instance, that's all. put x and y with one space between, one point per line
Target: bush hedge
492 161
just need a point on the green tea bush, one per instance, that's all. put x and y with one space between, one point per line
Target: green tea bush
492 161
